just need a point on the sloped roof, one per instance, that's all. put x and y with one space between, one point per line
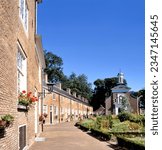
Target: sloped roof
121 88
100 110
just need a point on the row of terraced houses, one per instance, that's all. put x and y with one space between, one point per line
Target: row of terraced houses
22 69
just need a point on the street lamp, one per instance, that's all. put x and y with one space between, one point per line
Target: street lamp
138 98
50 87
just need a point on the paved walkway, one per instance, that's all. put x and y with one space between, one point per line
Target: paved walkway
66 136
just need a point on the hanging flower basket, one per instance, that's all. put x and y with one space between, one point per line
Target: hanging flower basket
2 132
2 123
42 118
45 115
7 120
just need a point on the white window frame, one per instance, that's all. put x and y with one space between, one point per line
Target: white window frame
45 109
24 14
21 69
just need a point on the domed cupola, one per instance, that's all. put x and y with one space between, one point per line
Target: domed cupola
120 78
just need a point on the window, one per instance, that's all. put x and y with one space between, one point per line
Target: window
55 110
51 108
54 96
45 109
24 13
21 70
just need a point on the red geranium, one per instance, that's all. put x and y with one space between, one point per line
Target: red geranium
23 91
26 98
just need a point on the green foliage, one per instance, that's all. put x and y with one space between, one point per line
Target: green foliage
8 118
140 119
103 122
110 121
79 84
126 126
136 143
98 122
102 90
141 93
53 68
123 116
88 123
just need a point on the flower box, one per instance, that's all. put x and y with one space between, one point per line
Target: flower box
22 107
26 100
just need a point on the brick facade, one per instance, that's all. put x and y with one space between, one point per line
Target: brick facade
12 35
109 103
62 106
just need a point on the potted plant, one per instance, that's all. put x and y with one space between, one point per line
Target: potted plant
2 124
2 128
7 120
45 115
42 119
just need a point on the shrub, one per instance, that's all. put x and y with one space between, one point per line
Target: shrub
130 144
132 117
110 121
98 122
126 126
137 119
123 116
88 123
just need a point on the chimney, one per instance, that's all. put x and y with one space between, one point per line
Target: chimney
82 99
68 90
45 78
74 94
58 85
79 96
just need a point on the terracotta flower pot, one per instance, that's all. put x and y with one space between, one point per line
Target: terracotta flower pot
2 123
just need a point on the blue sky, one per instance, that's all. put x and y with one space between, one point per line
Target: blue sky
96 37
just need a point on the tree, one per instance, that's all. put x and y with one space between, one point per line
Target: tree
141 94
53 68
79 84
102 90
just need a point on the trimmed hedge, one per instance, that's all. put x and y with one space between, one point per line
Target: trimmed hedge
81 126
131 145
102 135
96 132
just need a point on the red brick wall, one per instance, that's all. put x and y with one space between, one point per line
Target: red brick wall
11 31
8 75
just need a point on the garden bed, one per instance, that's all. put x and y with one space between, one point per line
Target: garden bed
130 143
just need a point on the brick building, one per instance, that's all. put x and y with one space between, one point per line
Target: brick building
120 99
61 106
21 63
